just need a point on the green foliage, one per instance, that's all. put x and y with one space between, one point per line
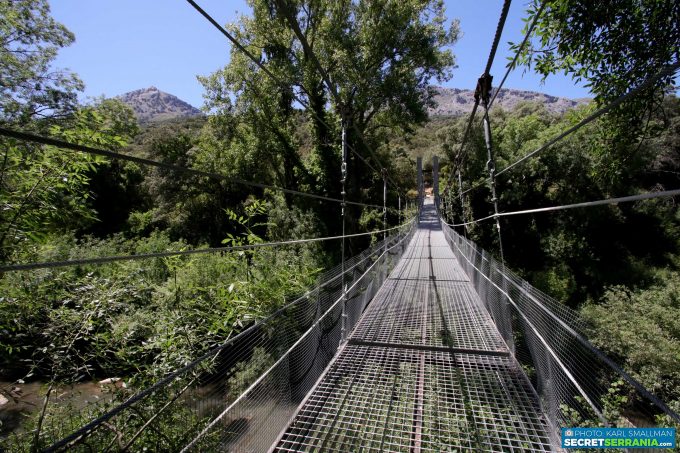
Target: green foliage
151 315
376 59
641 329
248 222
665 420
613 404
570 254
246 372
45 189
613 46
31 88
72 323
188 207
174 426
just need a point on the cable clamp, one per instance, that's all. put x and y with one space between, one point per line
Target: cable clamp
483 88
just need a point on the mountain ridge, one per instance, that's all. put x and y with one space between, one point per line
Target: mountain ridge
459 101
153 105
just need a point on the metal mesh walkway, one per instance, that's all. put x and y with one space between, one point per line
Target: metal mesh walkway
424 370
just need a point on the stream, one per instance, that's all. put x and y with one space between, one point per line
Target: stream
19 400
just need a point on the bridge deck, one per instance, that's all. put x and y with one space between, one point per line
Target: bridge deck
424 370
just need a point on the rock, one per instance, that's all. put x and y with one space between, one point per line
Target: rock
111 380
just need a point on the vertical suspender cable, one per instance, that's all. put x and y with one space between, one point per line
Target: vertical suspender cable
384 175
399 209
462 205
343 171
483 91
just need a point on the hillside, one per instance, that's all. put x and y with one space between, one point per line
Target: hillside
153 105
456 101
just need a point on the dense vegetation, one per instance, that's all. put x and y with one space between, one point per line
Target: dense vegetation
618 264
141 319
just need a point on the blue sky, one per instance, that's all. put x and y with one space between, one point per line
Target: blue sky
123 45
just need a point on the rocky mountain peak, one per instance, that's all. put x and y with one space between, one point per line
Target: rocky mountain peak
153 105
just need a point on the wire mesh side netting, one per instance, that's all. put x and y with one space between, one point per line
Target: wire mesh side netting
241 394
424 370
578 385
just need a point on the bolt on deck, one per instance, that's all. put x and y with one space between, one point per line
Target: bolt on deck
425 370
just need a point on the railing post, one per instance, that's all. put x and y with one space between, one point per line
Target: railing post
419 182
400 219
462 204
343 171
384 176
435 182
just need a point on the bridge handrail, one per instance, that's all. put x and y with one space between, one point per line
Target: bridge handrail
558 347
381 252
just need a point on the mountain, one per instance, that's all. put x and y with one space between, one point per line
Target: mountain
456 101
153 105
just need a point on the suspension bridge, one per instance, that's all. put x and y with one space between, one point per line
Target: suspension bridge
425 369
422 342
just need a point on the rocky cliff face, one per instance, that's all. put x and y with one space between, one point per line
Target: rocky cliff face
456 101
153 105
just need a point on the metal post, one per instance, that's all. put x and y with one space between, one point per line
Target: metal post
462 203
384 176
400 219
483 90
343 171
435 181
419 182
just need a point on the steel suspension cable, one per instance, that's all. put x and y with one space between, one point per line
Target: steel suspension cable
511 66
585 204
483 91
111 259
666 71
239 46
284 85
487 70
497 36
29 137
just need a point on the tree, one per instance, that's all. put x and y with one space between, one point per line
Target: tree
370 62
640 328
29 42
613 46
44 189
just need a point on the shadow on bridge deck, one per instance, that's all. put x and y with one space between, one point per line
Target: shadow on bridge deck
424 370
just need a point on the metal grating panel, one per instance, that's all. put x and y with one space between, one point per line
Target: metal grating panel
449 313
425 268
424 370
386 399
436 252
